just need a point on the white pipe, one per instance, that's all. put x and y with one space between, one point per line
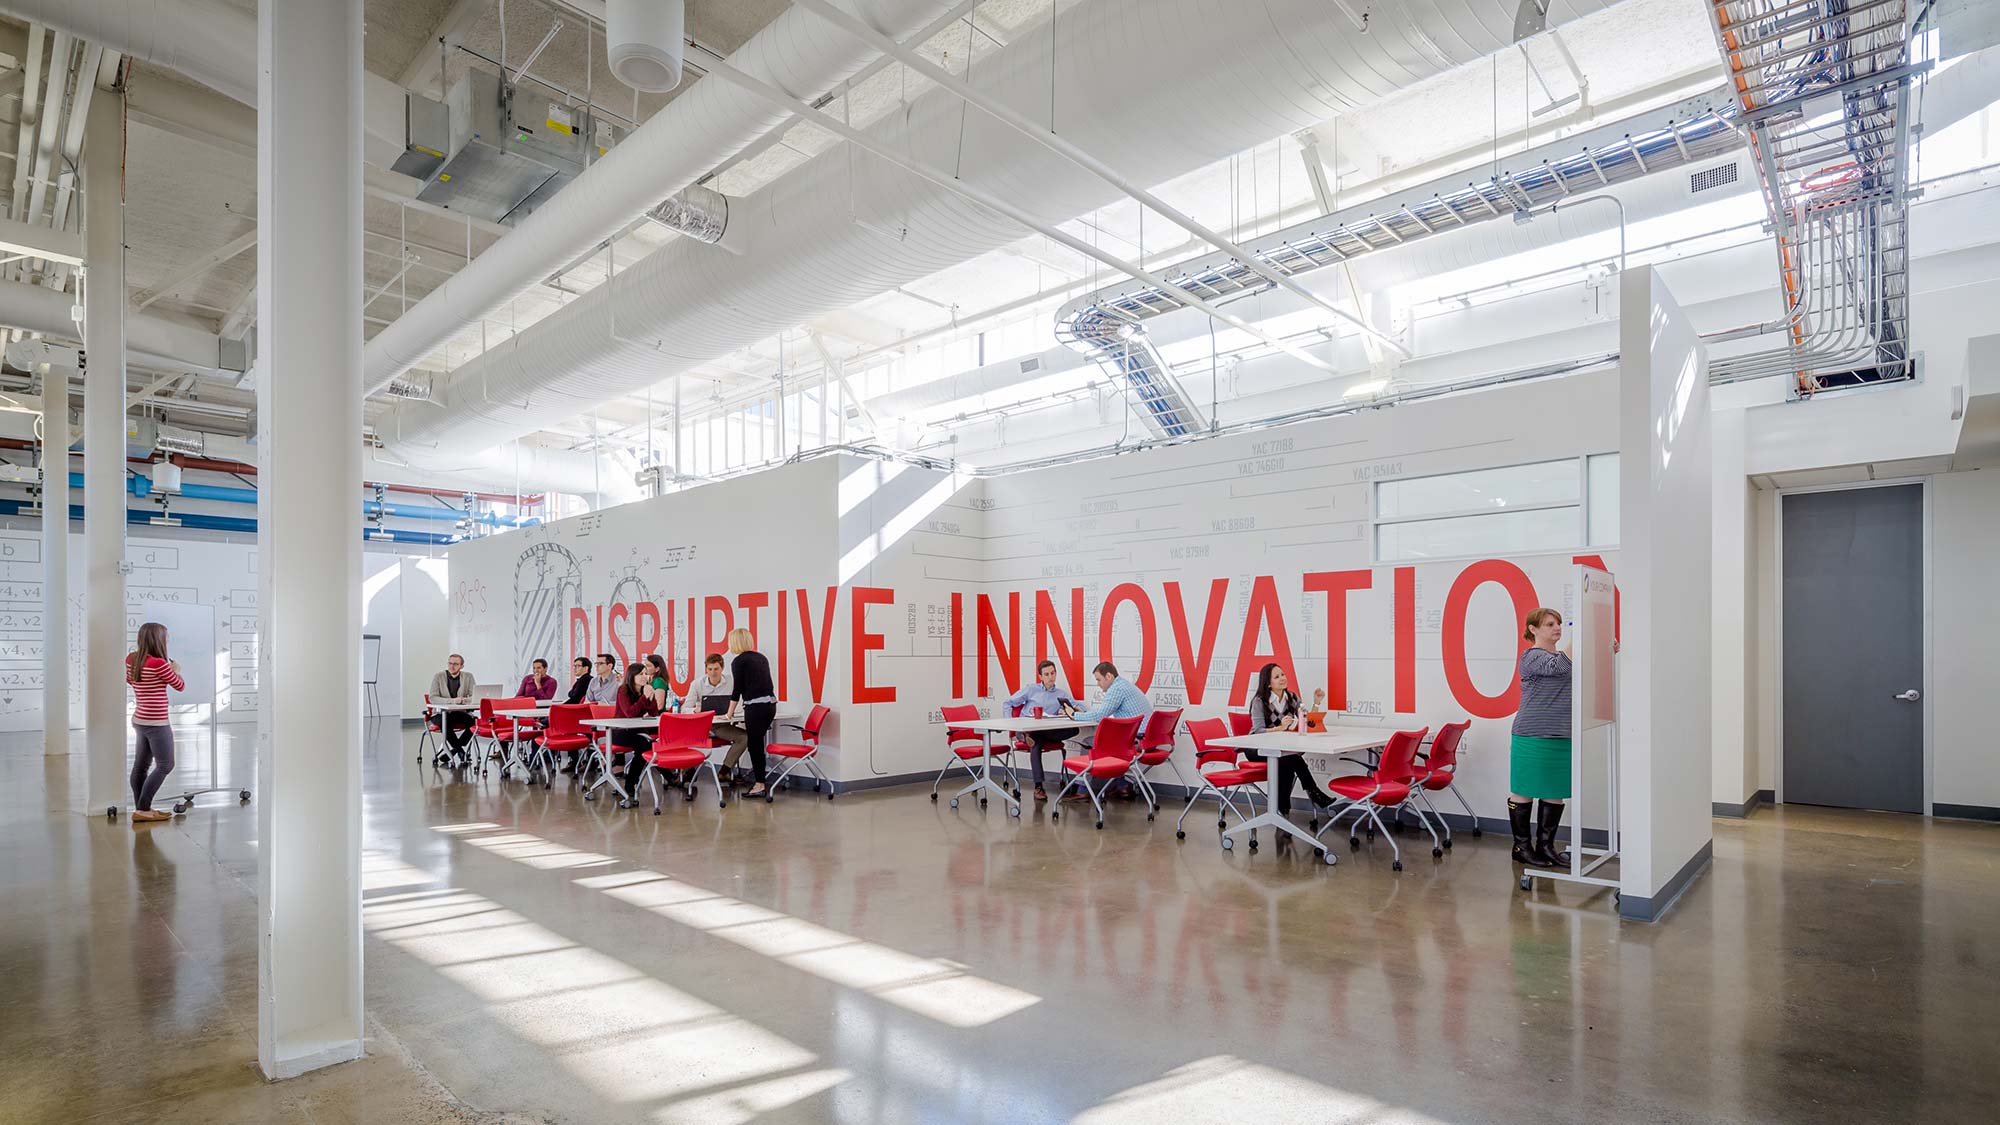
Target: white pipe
210 41
151 339
1153 93
55 561
696 131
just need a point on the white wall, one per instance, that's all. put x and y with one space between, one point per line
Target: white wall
1666 558
425 617
1965 637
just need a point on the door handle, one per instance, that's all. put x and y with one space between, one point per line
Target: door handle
1910 696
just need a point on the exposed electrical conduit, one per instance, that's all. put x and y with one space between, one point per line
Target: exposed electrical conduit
1240 77
201 521
151 339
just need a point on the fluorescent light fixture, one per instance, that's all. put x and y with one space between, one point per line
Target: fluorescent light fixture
1369 389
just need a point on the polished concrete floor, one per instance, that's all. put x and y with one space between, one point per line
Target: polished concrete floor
879 958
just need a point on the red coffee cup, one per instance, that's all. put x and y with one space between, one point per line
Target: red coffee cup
1038 712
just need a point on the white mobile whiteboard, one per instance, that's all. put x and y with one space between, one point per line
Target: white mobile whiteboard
371 658
190 642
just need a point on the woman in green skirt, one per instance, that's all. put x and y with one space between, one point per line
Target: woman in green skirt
1540 760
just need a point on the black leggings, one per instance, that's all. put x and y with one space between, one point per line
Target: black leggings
757 720
635 742
151 765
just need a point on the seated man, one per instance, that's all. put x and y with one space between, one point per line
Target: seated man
713 692
604 685
1053 701
1120 701
579 687
455 685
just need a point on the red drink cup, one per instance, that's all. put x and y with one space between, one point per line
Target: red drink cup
1038 712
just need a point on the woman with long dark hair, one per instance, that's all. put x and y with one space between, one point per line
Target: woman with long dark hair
635 701
1276 707
150 673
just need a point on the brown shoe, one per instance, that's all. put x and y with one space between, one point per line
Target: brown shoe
1039 795
147 816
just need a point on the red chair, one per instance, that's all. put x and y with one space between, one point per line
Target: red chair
565 734
1111 752
493 728
433 731
804 752
1230 773
1155 748
1239 723
601 751
968 746
1439 771
682 743
1387 788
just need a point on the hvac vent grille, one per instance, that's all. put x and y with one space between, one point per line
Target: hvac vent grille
1708 179
1031 365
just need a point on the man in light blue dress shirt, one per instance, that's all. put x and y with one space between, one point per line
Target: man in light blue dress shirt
1120 701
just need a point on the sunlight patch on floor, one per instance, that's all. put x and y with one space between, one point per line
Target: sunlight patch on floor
624 1034
1224 1087
937 989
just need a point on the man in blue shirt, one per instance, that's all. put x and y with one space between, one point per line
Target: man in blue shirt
1120 701
1053 701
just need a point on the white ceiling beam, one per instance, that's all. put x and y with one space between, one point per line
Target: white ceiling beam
457 20
197 267
17 237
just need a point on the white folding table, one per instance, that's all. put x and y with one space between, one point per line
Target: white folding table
444 750
1002 725
637 722
1335 741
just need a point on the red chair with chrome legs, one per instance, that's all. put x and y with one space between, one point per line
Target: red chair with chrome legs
804 752
682 743
496 729
1156 748
1220 770
1438 773
433 731
565 734
968 746
1365 795
1112 749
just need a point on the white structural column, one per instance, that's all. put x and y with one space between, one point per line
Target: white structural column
104 450
55 560
309 534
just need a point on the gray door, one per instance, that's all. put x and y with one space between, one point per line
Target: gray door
1854 648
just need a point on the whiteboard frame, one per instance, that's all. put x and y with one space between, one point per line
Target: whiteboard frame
1584 860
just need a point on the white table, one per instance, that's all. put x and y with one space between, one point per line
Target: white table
541 712
1336 741
1002 725
780 715
637 722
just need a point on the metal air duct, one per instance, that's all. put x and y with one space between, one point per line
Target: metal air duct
210 41
1151 91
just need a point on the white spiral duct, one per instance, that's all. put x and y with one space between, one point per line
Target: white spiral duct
696 131
208 40
1154 88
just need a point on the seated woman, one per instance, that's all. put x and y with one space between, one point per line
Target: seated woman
635 701
1276 707
663 692
538 684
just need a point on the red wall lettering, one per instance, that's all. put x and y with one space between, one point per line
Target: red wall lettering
1008 654
1196 659
1405 627
620 611
675 680
717 640
1456 674
866 642
646 641
784 649
816 653
1336 585
579 634
1068 645
957 645
1264 613
750 604
1149 641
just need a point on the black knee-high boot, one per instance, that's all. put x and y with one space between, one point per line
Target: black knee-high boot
1546 819
1518 816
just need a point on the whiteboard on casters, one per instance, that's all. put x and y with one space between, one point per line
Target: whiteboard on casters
190 642
1596 627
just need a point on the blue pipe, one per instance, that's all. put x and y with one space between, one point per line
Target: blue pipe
145 518
142 486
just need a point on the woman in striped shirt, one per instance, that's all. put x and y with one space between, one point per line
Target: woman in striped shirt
150 673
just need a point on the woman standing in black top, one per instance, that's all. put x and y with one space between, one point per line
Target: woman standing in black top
757 696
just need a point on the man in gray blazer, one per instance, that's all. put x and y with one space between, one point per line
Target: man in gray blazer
455 685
